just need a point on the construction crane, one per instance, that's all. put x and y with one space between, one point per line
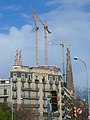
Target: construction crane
63 64
45 35
37 28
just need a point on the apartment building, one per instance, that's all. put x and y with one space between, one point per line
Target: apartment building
30 86
5 92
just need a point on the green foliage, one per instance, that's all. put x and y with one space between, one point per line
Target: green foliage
19 114
5 112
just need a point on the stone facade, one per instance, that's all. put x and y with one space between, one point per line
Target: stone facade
30 86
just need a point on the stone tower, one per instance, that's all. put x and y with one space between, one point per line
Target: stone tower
69 75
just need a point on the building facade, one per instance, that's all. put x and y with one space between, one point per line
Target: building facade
30 86
5 91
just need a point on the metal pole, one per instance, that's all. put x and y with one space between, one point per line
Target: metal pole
49 115
63 64
52 115
12 110
76 58
87 84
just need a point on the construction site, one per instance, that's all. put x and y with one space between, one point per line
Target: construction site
33 86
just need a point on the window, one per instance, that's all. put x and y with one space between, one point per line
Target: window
29 76
23 94
5 99
5 91
14 94
14 75
2 82
14 85
50 78
23 78
56 78
22 75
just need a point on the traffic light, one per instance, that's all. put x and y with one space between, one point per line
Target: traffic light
54 100
74 112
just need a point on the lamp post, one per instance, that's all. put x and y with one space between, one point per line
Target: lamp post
76 58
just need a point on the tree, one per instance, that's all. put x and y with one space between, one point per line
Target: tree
83 104
81 100
82 93
25 113
5 112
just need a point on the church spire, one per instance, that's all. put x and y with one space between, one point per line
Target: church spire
18 57
69 75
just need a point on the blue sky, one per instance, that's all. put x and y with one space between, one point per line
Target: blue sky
69 21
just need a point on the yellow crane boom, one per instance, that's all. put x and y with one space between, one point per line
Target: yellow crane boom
43 23
45 35
37 28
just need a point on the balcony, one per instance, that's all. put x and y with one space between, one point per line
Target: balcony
44 105
4 96
44 81
14 80
47 90
57 90
44 98
45 114
14 88
14 96
62 92
38 114
54 114
30 89
23 80
30 105
56 82
36 81
29 80
51 82
31 97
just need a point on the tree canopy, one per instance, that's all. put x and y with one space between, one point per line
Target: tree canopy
5 112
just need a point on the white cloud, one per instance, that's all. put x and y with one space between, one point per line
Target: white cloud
70 21
68 3
23 39
13 7
25 16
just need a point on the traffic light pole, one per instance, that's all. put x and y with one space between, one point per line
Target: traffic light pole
52 115
49 112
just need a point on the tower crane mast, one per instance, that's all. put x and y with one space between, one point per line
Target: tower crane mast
37 28
45 35
63 64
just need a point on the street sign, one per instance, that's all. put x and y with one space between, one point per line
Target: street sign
79 111
89 117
